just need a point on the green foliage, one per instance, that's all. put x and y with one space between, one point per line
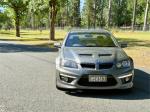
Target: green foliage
120 13
35 14
140 11
6 19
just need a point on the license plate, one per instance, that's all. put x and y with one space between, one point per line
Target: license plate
97 78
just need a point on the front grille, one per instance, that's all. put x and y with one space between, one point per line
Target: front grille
105 65
88 65
93 65
84 81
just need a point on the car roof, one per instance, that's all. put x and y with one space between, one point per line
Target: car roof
89 31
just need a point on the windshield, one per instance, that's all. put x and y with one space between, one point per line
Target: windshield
90 40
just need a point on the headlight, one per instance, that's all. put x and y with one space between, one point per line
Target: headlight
123 64
68 63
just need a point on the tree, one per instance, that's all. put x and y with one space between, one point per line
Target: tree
76 13
93 13
6 19
100 11
32 8
19 7
88 13
134 14
63 14
146 15
37 11
39 14
53 12
54 6
109 12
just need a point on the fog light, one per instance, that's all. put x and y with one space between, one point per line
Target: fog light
66 78
127 79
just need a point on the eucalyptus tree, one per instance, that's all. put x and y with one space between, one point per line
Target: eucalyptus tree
63 15
76 13
119 12
109 12
6 19
38 9
93 13
32 8
88 13
134 14
19 7
54 6
146 15
100 12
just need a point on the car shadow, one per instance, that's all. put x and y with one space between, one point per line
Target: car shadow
140 91
12 48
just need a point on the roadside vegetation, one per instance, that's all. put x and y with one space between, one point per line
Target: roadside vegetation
48 14
36 37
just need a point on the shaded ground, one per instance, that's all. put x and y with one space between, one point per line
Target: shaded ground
13 48
132 42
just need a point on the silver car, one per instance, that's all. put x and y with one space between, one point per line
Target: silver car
93 60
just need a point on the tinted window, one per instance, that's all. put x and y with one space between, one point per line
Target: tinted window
90 40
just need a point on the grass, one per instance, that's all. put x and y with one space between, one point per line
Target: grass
139 46
139 42
31 37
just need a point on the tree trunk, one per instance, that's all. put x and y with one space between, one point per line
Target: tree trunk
134 14
89 24
52 28
109 13
52 33
53 12
101 13
67 8
95 14
32 20
146 16
17 23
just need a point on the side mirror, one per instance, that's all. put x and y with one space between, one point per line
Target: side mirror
57 45
123 44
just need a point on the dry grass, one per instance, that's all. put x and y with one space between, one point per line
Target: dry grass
139 46
32 37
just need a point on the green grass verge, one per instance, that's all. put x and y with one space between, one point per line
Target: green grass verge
42 38
32 37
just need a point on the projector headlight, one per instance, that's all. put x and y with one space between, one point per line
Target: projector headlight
123 64
68 63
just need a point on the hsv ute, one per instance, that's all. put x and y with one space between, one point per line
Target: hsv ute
92 60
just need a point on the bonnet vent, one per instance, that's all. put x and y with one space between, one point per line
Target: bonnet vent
105 55
85 54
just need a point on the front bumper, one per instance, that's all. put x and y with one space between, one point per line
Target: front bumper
69 79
